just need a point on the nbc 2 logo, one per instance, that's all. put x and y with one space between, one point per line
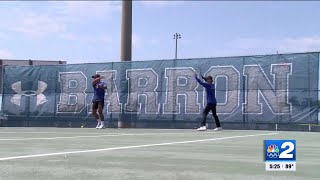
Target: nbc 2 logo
280 150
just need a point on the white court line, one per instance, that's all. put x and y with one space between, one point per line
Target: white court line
102 132
27 132
73 132
128 147
73 137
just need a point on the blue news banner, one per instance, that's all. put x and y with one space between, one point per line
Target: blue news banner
280 155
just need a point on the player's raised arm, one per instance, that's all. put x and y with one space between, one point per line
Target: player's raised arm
96 79
199 80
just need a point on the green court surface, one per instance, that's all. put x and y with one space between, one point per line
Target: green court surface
153 154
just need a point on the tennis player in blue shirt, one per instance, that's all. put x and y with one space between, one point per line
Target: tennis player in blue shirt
211 103
99 90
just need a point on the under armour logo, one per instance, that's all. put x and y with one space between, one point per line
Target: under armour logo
41 98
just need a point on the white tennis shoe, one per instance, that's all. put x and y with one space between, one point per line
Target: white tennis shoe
218 129
202 128
102 126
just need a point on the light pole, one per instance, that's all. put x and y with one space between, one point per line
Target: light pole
176 36
126 31
126 50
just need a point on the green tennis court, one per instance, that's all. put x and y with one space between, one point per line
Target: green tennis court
141 154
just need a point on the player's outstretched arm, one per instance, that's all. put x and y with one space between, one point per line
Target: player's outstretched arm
199 81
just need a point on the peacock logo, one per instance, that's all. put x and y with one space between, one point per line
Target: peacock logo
273 151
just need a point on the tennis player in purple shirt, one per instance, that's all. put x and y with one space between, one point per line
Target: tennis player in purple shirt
99 90
211 103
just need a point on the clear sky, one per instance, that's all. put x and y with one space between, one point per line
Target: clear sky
86 31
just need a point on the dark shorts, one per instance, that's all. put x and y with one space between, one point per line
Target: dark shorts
210 107
95 105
